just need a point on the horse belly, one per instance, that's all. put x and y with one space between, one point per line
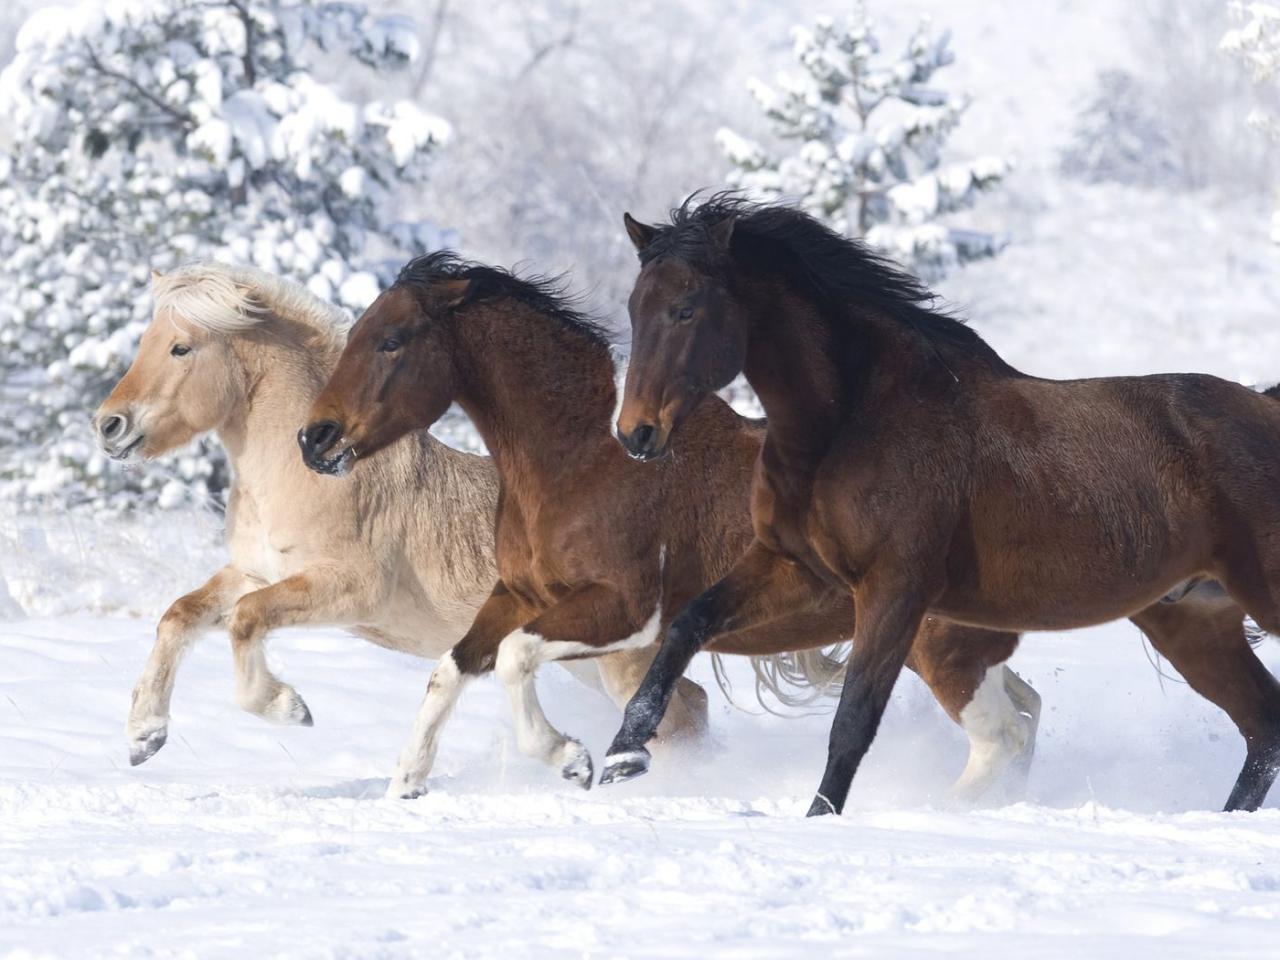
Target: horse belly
1060 584
418 636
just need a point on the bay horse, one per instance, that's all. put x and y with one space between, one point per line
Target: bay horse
909 465
595 552
402 556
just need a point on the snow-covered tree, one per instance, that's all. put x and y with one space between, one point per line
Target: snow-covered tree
1121 136
148 132
863 138
1257 43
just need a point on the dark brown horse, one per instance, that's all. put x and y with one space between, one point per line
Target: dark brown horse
906 462
595 552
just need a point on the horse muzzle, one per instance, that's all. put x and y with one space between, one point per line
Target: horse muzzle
644 442
118 436
324 450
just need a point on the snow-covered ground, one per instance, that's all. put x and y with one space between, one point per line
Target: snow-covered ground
245 839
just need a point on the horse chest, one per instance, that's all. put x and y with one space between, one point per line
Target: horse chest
543 553
255 547
783 515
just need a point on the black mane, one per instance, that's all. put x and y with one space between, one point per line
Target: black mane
547 295
1272 392
836 272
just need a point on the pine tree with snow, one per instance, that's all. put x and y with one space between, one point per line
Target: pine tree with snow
867 135
1257 43
149 132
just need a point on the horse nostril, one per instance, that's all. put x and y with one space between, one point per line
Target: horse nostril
642 438
319 437
112 427
640 441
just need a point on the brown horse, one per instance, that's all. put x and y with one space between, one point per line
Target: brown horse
908 463
595 552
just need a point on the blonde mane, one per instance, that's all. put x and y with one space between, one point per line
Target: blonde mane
222 299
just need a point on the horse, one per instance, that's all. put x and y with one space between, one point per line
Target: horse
595 552
907 463
402 556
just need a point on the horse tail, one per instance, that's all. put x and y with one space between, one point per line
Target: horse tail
796 680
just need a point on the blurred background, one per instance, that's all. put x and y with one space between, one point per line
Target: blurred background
1090 183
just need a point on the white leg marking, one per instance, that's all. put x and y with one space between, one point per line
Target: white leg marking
419 752
517 663
559 649
999 731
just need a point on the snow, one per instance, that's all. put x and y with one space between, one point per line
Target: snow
242 836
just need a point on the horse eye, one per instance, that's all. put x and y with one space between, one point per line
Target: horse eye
686 313
179 350
390 345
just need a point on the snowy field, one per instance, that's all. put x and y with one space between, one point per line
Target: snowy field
244 839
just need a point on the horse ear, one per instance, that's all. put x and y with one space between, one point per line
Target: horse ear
722 233
641 234
155 274
451 293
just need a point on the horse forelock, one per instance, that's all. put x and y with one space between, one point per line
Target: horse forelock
222 300
208 300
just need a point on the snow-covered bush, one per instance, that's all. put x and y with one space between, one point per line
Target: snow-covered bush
148 132
1256 41
867 135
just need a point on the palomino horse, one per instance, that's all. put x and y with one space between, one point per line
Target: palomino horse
595 552
402 555
906 462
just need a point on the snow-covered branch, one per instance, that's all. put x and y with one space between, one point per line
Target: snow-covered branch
154 131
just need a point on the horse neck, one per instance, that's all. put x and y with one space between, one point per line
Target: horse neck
540 395
796 363
283 368
812 370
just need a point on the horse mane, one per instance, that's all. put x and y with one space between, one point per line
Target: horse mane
547 295
1272 391
836 272
223 300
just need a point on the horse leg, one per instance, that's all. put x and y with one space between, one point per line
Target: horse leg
761 585
622 674
314 596
148 725
519 655
889 615
574 626
997 709
1206 643
475 654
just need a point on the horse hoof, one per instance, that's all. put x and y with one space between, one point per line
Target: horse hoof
401 789
621 767
143 748
288 707
821 807
578 768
